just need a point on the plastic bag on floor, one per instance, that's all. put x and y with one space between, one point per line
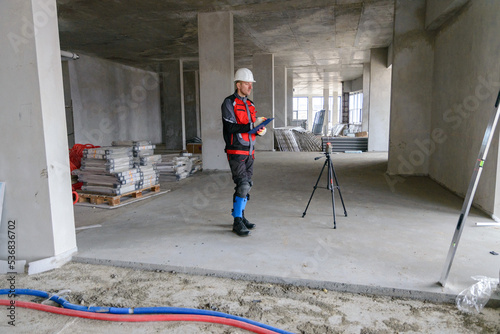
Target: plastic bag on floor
473 299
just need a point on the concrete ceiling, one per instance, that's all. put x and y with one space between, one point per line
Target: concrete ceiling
323 41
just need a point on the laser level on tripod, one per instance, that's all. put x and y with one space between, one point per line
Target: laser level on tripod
332 183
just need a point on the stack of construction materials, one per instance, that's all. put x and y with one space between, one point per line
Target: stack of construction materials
175 167
144 153
286 140
150 176
346 144
197 164
307 140
296 140
109 170
145 160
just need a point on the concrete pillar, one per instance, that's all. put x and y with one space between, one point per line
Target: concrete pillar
345 105
289 97
411 98
216 53
263 71
68 104
380 101
190 104
335 108
34 160
366 97
197 95
280 101
310 113
326 97
171 110
183 106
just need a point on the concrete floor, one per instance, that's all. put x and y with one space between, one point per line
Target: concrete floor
394 240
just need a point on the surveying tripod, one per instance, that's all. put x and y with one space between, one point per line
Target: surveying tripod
332 176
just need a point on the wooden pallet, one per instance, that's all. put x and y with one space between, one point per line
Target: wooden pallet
95 198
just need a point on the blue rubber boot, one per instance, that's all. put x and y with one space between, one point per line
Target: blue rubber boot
238 206
245 221
238 226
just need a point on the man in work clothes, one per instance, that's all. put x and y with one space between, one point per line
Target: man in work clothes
238 118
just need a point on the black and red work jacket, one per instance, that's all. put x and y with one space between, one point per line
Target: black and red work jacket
238 116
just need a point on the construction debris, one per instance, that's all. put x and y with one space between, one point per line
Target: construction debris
297 139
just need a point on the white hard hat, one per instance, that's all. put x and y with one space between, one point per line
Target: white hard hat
244 74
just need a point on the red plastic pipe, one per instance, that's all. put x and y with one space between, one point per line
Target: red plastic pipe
75 197
138 317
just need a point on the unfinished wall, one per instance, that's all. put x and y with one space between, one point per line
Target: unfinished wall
411 96
466 81
114 102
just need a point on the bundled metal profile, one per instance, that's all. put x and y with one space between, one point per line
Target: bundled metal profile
175 167
297 139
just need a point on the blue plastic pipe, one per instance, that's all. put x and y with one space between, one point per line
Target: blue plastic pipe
140 310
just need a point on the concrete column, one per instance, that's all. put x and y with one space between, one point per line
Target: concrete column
345 106
310 113
411 98
280 88
68 104
183 106
34 159
263 71
366 97
289 97
335 111
380 101
326 97
197 95
190 105
172 105
216 53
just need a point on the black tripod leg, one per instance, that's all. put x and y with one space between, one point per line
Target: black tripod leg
338 187
331 187
315 186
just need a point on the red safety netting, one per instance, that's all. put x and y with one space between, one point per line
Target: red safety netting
75 160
